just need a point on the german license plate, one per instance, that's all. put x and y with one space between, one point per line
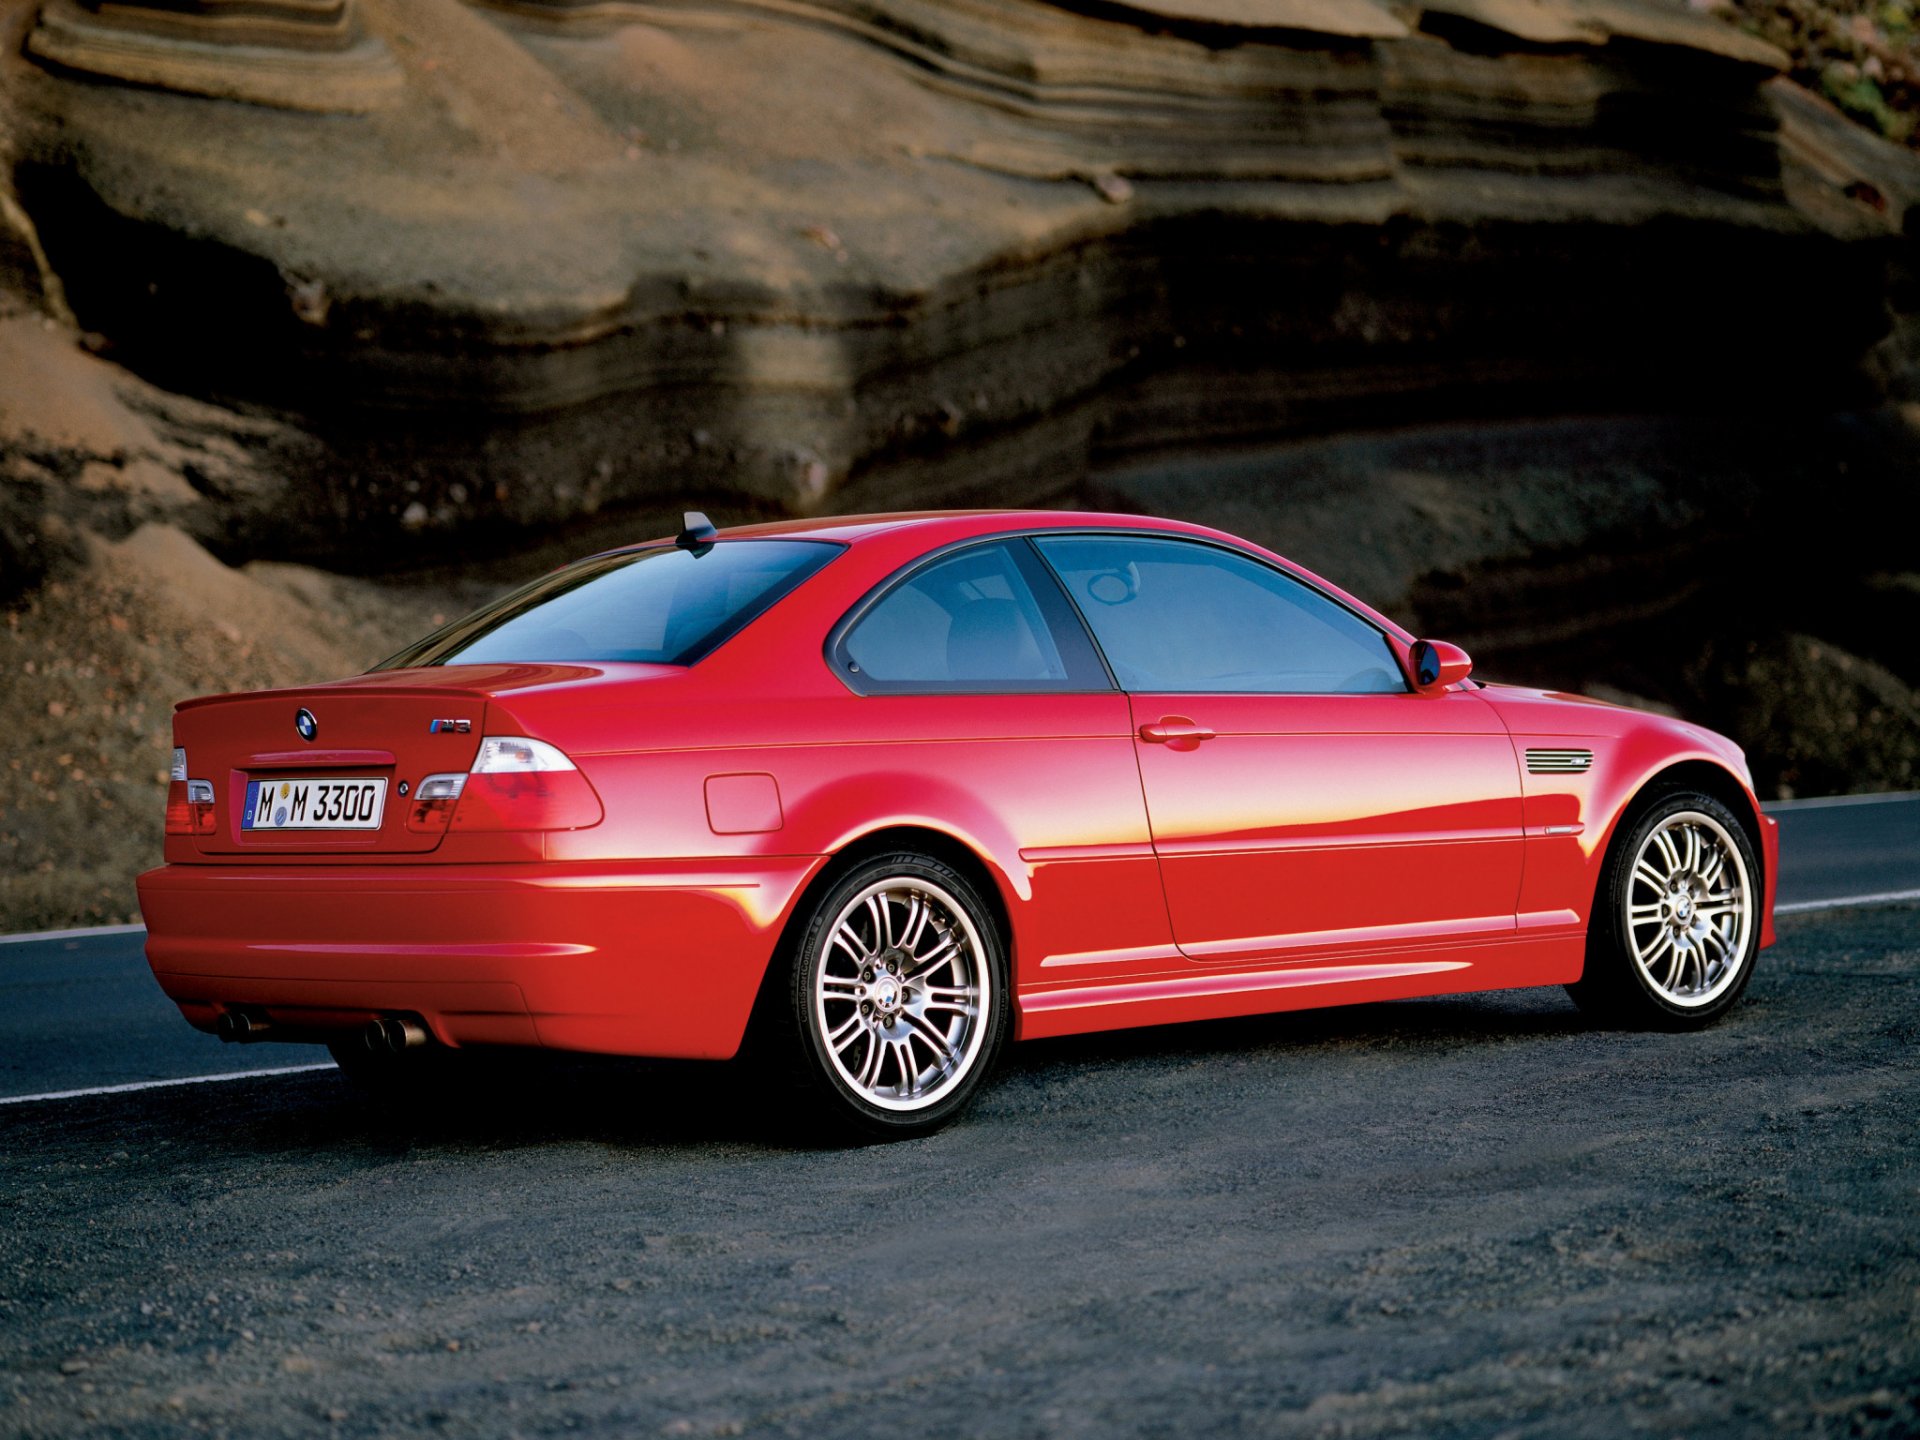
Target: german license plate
314 804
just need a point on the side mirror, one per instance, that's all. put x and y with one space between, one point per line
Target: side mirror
1438 666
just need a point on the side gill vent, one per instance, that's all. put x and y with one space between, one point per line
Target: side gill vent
1558 762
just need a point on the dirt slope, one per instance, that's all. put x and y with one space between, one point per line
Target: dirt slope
94 661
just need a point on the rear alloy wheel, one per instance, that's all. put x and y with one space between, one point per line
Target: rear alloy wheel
1676 923
897 1004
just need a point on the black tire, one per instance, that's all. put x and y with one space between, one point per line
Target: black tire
1620 985
793 1051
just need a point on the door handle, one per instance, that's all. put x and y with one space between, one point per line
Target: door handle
1174 729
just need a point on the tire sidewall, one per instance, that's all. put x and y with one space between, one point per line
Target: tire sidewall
849 1109
1618 951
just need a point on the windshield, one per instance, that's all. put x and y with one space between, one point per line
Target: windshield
664 606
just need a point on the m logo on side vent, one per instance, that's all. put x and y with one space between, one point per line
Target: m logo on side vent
1558 762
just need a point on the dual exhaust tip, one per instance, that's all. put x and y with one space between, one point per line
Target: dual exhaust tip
240 1027
393 1034
388 1035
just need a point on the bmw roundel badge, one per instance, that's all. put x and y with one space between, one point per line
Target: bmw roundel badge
304 722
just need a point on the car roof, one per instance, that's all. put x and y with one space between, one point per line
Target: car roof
935 528
943 525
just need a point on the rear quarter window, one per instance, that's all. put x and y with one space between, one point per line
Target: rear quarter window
986 619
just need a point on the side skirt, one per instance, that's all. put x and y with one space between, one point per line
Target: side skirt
1214 995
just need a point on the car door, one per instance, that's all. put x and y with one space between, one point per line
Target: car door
983 706
1303 800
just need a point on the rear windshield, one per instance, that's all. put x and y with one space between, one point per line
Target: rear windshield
664 606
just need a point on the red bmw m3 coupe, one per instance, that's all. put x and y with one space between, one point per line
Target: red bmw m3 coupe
882 793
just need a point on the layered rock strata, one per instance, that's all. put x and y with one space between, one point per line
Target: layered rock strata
301 54
837 253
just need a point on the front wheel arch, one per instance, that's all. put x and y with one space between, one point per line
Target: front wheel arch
1709 779
1615 986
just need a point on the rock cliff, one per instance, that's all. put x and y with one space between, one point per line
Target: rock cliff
1565 328
516 265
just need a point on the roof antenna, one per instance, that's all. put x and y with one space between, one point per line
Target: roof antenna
696 533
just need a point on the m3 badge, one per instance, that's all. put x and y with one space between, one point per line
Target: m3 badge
449 727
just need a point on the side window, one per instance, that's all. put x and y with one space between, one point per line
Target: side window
1173 615
988 619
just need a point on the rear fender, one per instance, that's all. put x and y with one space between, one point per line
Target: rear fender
842 813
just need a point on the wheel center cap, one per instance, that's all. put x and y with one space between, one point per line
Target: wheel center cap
1683 908
886 992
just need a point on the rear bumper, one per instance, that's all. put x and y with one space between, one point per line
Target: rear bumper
663 960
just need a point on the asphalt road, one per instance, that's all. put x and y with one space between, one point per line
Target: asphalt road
79 1012
1472 1217
1469 1216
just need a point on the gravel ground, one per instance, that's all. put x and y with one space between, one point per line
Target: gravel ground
1449 1217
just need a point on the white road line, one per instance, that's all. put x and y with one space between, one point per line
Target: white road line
1832 802
162 1084
72 934
1885 897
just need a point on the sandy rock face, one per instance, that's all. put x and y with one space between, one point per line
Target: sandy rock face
521 264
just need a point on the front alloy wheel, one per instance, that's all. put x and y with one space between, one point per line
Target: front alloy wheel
1688 910
1675 925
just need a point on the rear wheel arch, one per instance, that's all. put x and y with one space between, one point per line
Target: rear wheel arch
889 839
788 1046
941 845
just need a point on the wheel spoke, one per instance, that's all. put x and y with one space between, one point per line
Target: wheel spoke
950 997
1668 852
870 1067
882 924
845 937
1652 951
932 1038
915 924
1676 959
941 954
844 1034
1648 952
1645 874
903 1061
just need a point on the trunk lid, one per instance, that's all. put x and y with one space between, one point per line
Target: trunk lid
384 733
389 726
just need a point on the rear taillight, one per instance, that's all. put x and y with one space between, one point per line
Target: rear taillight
515 784
189 802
